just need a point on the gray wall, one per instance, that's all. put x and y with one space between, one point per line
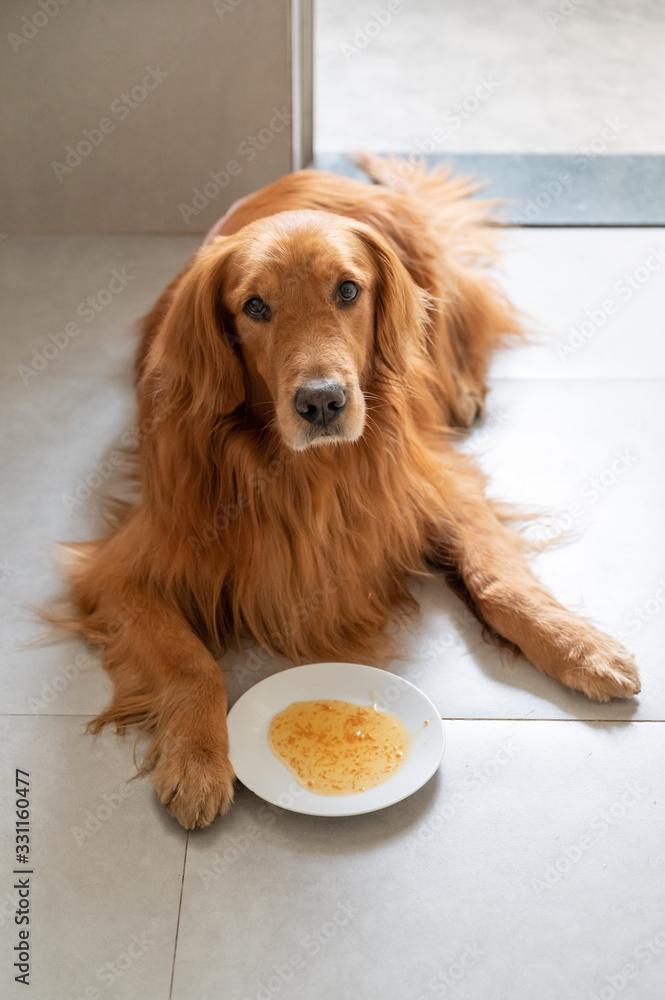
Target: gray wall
167 90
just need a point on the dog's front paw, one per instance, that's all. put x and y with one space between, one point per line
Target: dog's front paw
194 782
602 670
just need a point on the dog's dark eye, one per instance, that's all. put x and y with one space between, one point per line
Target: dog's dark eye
256 308
348 291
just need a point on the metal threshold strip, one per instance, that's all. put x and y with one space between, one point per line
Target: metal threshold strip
555 189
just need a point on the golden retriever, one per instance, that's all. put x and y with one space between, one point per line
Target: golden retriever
297 384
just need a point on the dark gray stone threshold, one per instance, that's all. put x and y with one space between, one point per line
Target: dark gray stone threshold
552 189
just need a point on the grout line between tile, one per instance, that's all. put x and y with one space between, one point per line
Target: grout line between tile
456 718
509 718
585 225
177 926
47 715
550 379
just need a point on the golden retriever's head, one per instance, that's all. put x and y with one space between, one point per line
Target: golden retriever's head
290 319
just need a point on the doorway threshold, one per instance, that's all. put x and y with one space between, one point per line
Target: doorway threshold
553 189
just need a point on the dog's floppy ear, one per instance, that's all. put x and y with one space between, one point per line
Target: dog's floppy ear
400 305
195 356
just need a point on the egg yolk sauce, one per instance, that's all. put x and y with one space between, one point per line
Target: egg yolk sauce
336 747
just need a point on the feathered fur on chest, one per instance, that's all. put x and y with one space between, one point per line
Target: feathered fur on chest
307 552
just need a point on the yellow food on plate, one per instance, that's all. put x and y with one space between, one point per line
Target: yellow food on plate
336 747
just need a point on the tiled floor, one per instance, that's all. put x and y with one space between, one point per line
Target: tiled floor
531 866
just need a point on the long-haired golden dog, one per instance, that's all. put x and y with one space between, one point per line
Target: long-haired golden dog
295 385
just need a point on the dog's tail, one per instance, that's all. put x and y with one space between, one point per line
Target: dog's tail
470 230
448 198
412 174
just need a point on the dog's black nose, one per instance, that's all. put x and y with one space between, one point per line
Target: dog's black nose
320 402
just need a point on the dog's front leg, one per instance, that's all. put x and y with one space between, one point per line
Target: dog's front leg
166 681
489 558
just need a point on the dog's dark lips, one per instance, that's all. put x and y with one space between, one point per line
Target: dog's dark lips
326 434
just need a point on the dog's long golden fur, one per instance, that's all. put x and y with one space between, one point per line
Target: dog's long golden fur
297 523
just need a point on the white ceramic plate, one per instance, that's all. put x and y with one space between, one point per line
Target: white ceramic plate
258 769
